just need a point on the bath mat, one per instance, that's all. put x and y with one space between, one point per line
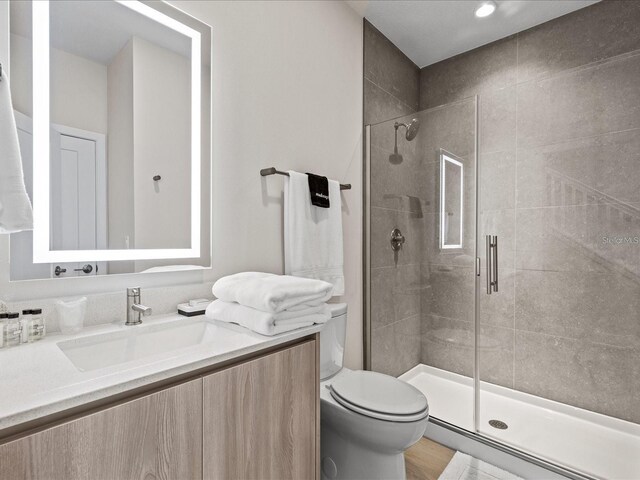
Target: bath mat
465 467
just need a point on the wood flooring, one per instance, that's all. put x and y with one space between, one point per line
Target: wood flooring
426 460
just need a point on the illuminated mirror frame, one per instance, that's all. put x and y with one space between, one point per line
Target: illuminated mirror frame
444 158
42 252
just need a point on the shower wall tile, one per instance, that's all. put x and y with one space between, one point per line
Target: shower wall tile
383 221
380 105
586 374
549 239
498 309
396 185
451 128
598 32
386 66
497 177
581 171
396 347
601 308
449 344
495 355
497 120
590 101
572 238
396 293
452 293
486 68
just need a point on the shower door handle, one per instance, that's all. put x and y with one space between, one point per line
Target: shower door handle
492 263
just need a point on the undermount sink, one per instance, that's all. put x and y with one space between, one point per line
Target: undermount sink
134 343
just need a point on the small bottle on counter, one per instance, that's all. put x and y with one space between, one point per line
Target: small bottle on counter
12 330
37 329
25 321
3 322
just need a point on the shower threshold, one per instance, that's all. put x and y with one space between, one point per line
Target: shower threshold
587 442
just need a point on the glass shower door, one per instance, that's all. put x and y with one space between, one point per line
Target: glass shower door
421 265
559 342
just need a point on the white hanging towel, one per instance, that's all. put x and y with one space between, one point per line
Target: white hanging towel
313 245
15 207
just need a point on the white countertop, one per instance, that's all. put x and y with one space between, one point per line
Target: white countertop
38 379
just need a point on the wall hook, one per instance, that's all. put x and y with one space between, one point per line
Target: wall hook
156 178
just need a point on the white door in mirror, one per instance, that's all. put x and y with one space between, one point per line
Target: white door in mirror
75 189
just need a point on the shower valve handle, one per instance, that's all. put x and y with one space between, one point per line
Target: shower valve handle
397 239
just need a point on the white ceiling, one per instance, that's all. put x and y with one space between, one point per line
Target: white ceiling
428 31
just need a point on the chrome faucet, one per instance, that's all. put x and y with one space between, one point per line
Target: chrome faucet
135 309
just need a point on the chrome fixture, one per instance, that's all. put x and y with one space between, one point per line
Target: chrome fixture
135 309
59 270
88 268
492 263
412 129
411 132
397 239
273 171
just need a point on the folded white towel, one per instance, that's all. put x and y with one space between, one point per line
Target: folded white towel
313 245
267 323
15 207
271 293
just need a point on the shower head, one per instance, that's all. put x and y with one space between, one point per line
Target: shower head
412 128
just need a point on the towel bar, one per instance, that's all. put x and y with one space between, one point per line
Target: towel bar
272 171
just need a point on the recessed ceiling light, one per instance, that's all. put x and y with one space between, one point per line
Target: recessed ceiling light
485 9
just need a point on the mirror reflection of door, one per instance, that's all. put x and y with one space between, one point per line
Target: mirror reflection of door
78 206
78 196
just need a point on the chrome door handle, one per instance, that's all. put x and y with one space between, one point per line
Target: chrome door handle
492 263
59 270
86 269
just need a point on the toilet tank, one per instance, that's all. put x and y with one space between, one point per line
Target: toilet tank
332 339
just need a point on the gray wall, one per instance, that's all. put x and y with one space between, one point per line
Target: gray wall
559 153
391 89
559 160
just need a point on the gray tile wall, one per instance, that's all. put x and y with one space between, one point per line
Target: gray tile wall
391 89
559 156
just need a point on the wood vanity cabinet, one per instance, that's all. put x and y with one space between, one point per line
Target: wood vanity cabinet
258 419
156 436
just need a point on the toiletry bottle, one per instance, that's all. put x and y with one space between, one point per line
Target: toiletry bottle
3 323
12 330
37 329
25 321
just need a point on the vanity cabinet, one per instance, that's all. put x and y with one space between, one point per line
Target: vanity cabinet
260 418
254 419
157 436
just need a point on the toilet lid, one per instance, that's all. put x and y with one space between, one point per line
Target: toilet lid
380 396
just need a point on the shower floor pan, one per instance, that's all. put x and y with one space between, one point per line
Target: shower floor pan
588 442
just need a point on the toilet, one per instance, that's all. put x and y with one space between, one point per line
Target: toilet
368 419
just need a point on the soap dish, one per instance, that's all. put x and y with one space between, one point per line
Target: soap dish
193 308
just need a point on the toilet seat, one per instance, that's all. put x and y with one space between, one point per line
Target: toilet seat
379 396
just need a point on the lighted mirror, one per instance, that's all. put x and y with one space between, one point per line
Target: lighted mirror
451 200
112 103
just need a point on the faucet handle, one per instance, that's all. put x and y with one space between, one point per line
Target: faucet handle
133 291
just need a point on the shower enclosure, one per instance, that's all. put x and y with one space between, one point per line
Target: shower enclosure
505 285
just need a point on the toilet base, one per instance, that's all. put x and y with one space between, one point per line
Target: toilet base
346 460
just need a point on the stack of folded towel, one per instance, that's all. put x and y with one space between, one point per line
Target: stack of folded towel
270 304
